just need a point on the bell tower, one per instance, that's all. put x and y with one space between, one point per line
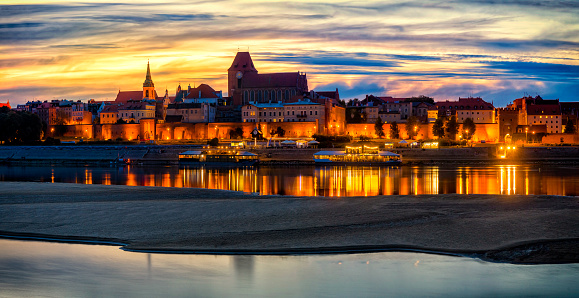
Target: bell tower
148 86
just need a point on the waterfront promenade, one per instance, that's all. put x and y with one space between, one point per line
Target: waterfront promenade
168 154
519 229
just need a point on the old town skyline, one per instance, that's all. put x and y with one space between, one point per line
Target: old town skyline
496 50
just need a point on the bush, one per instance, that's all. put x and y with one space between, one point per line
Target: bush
51 141
213 142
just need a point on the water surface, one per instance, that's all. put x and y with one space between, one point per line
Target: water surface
29 268
324 181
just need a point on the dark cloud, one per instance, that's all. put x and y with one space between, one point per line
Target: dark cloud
535 70
19 25
551 4
326 59
155 18
357 90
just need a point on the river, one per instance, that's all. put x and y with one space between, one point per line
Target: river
30 268
523 179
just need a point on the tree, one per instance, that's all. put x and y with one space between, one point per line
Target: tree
353 115
280 132
451 128
438 128
121 121
379 127
19 127
394 131
61 118
569 127
236 134
412 126
468 128
421 98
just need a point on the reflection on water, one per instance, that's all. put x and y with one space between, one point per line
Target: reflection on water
72 270
324 181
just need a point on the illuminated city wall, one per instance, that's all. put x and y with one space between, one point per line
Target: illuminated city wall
71 131
561 138
118 131
148 129
488 132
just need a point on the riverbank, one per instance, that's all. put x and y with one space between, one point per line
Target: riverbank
168 155
518 229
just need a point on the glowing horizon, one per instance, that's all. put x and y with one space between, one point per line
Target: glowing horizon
92 49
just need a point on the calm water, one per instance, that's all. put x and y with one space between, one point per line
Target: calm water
29 268
324 181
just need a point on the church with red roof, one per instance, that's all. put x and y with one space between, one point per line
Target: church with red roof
246 85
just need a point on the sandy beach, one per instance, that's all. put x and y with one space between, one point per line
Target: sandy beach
517 229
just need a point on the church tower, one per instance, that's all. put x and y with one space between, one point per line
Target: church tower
148 86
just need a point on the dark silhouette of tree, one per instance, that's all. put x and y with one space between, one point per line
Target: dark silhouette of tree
379 127
468 128
420 98
121 121
569 127
438 128
451 128
61 118
236 133
394 131
280 132
412 126
19 127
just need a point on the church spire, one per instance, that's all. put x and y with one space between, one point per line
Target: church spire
148 81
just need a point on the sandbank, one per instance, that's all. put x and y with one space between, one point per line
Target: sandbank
519 229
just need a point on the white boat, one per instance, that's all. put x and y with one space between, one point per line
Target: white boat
362 155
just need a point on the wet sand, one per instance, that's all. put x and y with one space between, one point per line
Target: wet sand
517 229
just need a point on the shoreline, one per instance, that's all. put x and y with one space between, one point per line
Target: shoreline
148 155
532 229
518 253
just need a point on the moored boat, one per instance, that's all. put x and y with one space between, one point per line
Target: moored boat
362 155
218 157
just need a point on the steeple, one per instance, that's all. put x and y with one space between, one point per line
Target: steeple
148 81
148 86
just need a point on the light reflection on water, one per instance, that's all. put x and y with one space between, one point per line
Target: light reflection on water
29 268
324 181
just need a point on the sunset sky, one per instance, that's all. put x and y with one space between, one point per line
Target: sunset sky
497 49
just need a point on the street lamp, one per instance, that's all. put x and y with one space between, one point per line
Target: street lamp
415 129
526 135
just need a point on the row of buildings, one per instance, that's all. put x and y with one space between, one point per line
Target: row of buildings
284 100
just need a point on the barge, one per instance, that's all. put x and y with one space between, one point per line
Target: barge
357 156
218 157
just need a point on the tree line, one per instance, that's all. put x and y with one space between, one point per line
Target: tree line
19 127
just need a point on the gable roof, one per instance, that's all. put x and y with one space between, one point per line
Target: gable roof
202 91
125 96
242 61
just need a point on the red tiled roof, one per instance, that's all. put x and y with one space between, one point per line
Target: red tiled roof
271 80
467 103
134 106
110 109
242 61
543 110
125 96
206 92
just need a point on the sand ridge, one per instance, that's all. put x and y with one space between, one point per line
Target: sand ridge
523 229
